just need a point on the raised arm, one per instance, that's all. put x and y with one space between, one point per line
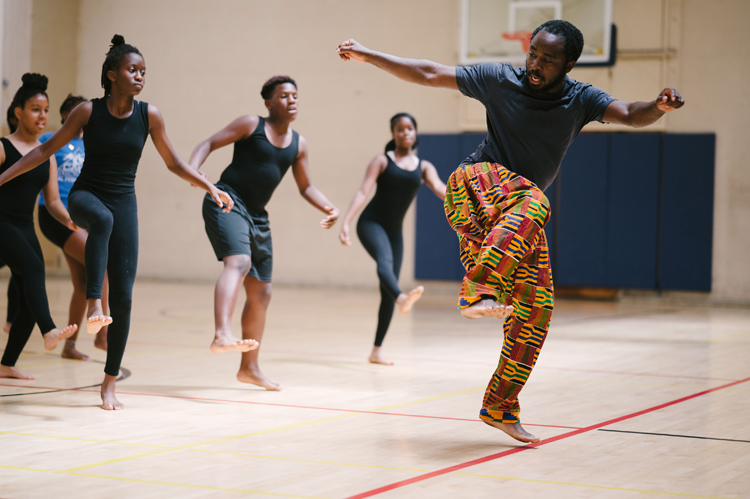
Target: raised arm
640 114
77 119
158 133
420 71
237 130
431 178
374 169
301 172
52 200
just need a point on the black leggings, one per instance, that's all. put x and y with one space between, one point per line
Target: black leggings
111 247
386 246
20 250
12 298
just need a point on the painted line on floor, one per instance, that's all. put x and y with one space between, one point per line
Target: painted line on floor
292 406
592 486
492 457
81 439
124 374
680 436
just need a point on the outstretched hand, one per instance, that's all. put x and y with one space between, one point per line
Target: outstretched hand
344 235
669 99
330 220
351 50
222 199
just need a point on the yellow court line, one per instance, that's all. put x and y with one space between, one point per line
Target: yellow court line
207 487
729 336
591 486
307 460
22 469
620 383
226 439
82 439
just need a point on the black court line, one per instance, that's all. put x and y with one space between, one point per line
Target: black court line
124 374
681 436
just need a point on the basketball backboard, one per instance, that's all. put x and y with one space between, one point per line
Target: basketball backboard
500 30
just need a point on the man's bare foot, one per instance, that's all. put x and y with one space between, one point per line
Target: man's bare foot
487 308
255 377
100 341
6 327
405 302
377 358
516 431
225 341
96 322
109 401
69 351
53 337
12 372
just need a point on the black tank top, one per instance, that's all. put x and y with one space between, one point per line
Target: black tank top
257 168
395 191
113 149
18 197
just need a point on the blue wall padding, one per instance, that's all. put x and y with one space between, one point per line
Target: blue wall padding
687 201
632 209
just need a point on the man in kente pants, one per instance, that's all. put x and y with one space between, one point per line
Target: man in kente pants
495 199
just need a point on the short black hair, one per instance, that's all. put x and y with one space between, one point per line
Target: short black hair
117 52
70 102
33 85
267 91
571 35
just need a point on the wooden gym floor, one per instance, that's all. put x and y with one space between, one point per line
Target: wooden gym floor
638 398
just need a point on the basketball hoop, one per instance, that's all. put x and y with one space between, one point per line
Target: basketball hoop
522 36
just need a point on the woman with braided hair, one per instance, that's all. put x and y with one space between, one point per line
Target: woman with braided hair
19 246
102 200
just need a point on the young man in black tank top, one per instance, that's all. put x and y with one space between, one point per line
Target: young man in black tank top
533 115
263 151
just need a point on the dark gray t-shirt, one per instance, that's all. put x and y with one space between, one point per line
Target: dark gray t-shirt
528 133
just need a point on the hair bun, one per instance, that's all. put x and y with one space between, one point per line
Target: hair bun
118 40
35 81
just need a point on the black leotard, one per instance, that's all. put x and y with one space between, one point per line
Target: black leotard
103 202
257 167
20 250
379 230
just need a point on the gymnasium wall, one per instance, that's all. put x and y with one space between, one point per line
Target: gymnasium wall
207 60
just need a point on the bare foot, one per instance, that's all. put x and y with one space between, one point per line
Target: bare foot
377 358
255 377
225 341
96 322
69 351
12 372
487 308
6 327
109 401
516 431
405 302
53 337
100 341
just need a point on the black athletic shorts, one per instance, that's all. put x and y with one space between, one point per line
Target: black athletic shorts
52 229
240 233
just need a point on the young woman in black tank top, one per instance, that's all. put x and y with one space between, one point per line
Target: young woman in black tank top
398 174
103 198
19 246
264 149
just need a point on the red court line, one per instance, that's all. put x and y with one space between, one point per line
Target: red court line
355 411
492 457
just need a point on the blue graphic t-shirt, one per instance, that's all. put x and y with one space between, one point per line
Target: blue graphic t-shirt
69 162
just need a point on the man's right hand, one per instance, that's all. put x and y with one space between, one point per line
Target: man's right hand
351 50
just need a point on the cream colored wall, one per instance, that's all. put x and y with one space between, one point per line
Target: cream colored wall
206 64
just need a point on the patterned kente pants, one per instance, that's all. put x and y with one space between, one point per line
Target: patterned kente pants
500 217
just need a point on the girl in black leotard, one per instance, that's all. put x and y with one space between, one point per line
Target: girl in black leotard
398 174
19 247
103 198
264 149
12 295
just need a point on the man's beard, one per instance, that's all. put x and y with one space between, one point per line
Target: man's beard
544 90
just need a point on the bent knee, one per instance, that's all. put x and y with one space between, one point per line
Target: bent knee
240 263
